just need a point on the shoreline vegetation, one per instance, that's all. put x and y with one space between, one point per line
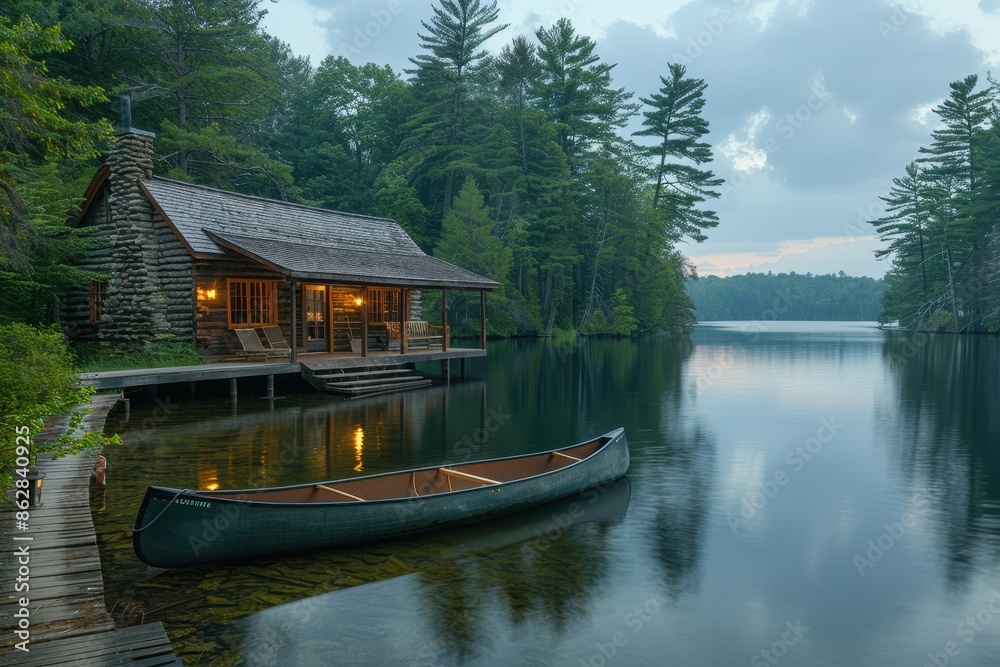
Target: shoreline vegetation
939 221
39 380
832 297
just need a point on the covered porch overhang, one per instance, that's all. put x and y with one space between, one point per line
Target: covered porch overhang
368 273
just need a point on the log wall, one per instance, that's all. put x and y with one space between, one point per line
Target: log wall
150 278
214 338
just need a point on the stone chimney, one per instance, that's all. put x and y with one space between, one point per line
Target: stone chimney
135 304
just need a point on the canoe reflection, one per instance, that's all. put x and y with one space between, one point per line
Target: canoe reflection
532 571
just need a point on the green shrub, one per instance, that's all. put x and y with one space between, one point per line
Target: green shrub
38 380
619 322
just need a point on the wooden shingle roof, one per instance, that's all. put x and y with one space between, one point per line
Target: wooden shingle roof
192 209
301 261
301 242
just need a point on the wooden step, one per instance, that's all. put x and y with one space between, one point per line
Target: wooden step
347 373
368 390
347 384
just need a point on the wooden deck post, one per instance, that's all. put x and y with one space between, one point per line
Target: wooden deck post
270 386
295 330
364 320
444 320
482 319
232 388
404 313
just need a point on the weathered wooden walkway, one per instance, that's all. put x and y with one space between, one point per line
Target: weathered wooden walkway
69 623
307 362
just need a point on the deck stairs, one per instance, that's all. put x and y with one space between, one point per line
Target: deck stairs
367 381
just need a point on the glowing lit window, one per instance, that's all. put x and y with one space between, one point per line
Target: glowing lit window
251 302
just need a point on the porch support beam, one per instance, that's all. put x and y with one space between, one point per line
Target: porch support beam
364 320
482 319
444 320
294 326
404 314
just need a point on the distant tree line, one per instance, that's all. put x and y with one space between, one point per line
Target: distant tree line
792 296
941 219
512 165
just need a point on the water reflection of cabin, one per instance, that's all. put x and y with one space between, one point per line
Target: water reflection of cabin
192 263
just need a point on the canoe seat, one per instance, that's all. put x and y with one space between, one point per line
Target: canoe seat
343 493
566 456
464 475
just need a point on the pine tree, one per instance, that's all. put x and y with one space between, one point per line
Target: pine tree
676 122
205 88
519 66
468 239
453 44
954 157
575 90
908 222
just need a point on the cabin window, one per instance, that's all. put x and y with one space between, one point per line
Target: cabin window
383 306
251 302
98 291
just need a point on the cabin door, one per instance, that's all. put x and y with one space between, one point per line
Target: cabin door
316 316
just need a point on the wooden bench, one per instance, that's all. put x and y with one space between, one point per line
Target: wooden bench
418 331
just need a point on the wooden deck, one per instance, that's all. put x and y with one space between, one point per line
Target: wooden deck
69 623
233 370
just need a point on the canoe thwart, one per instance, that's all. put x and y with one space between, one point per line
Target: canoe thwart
465 475
343 493
566 456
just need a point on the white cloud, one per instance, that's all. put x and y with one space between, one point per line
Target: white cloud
954 15
851 115
746 156
924 113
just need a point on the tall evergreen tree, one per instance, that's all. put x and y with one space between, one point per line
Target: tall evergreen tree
907 223
954 157
518 65
206 87
453 43
469 239
575 90
954 149
675 121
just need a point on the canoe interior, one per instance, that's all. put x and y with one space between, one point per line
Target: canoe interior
424 482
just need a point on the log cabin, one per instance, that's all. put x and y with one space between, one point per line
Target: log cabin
190 263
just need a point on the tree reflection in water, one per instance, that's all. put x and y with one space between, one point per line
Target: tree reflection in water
943 421
532 572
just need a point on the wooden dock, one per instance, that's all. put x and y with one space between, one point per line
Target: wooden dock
69 623
307 364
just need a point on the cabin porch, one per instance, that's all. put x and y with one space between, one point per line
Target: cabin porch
308 365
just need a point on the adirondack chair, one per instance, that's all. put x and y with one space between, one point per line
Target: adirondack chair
275 338
252 347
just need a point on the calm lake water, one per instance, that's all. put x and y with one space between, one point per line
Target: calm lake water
800 494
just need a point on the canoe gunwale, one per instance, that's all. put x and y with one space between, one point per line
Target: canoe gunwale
167 492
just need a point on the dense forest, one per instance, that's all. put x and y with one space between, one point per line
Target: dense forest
508 160
940 223
786 296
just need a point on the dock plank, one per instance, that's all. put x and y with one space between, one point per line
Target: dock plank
70 623
145 644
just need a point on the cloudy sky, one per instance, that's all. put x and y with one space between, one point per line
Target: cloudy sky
814 105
